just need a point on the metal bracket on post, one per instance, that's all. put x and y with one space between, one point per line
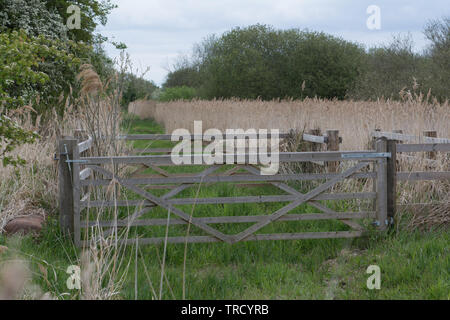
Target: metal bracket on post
366 155
76 161
67 161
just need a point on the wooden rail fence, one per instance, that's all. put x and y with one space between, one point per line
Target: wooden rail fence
78 175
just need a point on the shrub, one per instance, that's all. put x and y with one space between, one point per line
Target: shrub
262 62
33 17
36 70
136 88
389 69
178 93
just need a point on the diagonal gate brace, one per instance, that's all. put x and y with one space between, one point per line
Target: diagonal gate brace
164 204
302 199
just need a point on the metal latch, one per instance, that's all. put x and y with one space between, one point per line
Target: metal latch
76 161
366 155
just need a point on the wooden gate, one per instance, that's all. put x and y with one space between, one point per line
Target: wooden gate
79 176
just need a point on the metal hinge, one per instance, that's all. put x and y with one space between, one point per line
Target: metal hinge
386 222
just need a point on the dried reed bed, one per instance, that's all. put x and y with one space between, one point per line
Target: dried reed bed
354 119
142 108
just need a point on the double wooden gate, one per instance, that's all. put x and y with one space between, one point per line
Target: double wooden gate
81 176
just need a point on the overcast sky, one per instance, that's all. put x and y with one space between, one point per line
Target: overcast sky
157 31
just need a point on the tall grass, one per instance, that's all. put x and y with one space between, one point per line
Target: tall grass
33 188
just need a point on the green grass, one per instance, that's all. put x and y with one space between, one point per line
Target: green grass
414 265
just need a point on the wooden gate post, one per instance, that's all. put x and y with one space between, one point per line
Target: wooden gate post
382 192
333 145
431 134
391 146
66 149
315 146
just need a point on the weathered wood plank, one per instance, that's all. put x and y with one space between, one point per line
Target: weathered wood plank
153 150
85 145
394 136
435 140
420 176
175 178
424 147
314 138
231 200
283 157
231 219
168 137
257 237
419 206
159 170
225 200
86 173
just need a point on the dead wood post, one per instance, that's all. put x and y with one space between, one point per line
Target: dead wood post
431 134
332 145
65 175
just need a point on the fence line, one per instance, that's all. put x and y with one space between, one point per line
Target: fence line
406 137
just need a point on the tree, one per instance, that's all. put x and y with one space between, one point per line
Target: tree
93 13
36 70
388 69
438 32
33 17
259 61
136 88
185 76
177 93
